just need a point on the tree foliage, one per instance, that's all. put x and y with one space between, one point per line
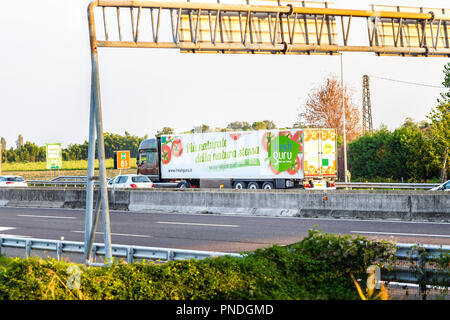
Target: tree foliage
30 152
407 153
446 83
323 108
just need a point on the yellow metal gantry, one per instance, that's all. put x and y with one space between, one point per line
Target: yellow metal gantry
283 27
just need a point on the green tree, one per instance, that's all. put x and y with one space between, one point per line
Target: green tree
382 154
19 141
201 128
165 130
439 133
76 151
3 142
239 126
269 124
414 147
259 125
446 95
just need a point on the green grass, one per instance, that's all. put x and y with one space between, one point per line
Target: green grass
66 165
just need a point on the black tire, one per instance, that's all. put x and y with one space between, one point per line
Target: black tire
183 185
253 185
267 185
239 185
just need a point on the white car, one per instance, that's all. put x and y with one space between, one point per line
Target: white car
12 181
443 187
137 181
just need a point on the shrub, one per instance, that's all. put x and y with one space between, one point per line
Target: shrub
318 267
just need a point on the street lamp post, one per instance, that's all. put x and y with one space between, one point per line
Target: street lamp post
343 122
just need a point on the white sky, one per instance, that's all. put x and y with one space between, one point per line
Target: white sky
45 79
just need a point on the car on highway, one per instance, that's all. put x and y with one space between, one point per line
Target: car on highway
135 181
12 181
442 187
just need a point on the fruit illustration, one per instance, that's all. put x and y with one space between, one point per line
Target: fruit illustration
332 135
286 134
267 137
307 135
295 166
297 136
273 169
166 154
235 136
312 170
177 148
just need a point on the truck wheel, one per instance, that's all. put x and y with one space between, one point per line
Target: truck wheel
239 185
183 185
267 185
253 185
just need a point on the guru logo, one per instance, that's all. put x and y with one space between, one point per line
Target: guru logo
282 153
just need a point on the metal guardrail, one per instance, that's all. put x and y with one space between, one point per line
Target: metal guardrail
130 253
385 185
339 185
421 275
50 183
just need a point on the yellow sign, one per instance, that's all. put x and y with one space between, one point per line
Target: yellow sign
122 160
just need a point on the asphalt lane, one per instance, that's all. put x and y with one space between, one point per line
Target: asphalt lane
227 233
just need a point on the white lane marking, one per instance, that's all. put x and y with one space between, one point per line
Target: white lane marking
120 234
404 234
13 236
6 228
200 224
50 217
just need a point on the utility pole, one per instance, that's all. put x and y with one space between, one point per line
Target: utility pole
343 121
366 106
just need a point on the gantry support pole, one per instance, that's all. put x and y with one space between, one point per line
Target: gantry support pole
96 126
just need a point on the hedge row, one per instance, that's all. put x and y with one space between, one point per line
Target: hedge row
318 267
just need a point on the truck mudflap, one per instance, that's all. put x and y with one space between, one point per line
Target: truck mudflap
314 184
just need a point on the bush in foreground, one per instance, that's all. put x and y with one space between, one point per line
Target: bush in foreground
318 267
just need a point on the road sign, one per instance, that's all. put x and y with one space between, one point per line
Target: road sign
122 159
54 155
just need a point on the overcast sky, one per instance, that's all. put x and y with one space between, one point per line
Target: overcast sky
45 79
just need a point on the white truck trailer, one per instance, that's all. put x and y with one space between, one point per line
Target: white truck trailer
300 157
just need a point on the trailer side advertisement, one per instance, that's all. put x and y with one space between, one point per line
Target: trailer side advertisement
265 154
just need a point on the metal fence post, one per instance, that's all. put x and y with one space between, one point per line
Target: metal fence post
422 273
28 248
130 252
59 246
90 181
95 89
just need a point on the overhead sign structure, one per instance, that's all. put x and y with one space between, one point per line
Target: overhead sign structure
431 34
252 27
271 27
122 159
53 153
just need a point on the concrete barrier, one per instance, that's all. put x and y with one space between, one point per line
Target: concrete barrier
355 204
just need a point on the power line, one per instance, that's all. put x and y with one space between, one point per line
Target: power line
408 82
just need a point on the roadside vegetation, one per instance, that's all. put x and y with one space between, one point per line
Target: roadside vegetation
321 266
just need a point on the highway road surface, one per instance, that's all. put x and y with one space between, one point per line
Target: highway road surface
210 232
